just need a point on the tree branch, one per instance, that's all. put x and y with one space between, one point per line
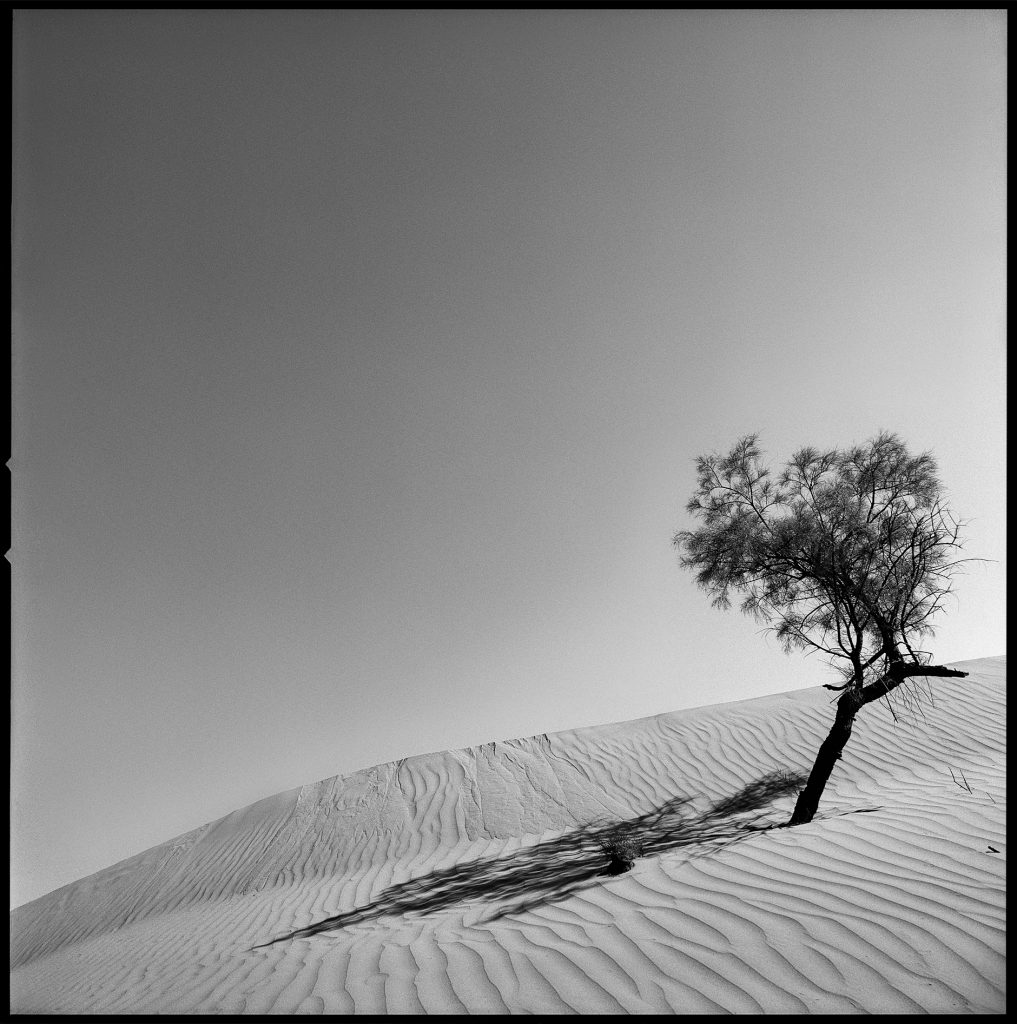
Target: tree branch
900 671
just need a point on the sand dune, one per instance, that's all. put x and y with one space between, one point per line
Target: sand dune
892 900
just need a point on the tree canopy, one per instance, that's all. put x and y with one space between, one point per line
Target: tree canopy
849 552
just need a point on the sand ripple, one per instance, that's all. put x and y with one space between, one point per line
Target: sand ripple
893 900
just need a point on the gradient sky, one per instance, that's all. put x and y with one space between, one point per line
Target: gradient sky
361 359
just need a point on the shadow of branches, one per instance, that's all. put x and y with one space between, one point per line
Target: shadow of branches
556 868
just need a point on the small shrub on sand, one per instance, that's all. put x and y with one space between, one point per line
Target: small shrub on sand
621 850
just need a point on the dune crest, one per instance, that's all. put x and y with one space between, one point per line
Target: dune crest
892 900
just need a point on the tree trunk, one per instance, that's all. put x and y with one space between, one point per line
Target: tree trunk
829 754
854 698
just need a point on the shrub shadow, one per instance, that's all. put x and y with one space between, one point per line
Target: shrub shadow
551 870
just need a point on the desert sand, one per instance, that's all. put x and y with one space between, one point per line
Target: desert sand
892 900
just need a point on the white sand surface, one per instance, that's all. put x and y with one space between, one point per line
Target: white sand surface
892 900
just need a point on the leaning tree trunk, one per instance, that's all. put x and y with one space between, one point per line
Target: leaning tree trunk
851 702
829 754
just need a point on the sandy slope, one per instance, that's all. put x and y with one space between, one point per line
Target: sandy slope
891 901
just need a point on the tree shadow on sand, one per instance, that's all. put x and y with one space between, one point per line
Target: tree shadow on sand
549 871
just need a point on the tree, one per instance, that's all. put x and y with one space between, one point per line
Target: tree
849 553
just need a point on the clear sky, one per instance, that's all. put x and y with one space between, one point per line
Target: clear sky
361 359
